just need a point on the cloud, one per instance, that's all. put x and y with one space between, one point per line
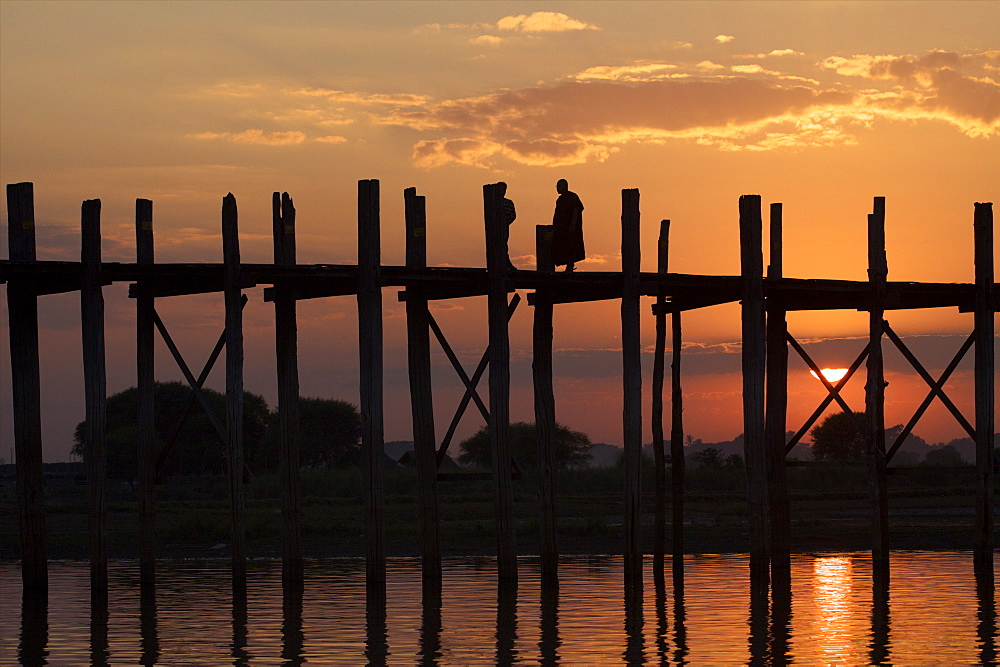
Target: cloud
724 39
771 54
254 136
542 22
639 71
487 40
937 85
332 139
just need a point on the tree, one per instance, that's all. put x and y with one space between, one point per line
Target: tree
836 438
329 432
710 457
572 447
944 456
197 449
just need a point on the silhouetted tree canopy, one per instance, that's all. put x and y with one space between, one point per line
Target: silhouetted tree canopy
944 456
330 433
197 450
572 447
838 439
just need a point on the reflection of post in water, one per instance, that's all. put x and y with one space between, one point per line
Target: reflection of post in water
239 645
987 615
879 647
506 624
660 585
147 625
781 617
430 628
759 612
680 629
99 653
548 644
376 642
34 628
635 649
292 637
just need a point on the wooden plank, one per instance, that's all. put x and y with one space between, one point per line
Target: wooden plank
545 412
632 395
985 328
22 310
875 395
234 394
775 414
95 398
754 362
421 397
656 414
370 347
144 350
289 427
499 382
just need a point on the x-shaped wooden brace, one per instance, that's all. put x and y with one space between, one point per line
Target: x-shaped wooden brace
196 385
832 395
936 388
470 383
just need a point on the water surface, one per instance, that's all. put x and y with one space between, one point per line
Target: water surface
934 614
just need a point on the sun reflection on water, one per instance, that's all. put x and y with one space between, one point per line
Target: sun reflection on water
832 579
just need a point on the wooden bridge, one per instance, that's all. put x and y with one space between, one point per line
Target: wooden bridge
765 300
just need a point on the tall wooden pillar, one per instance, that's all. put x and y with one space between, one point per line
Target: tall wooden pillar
95 396
499 426
878 271
421 398
632 390
22 310
545 410
370 343
676 453
234 392
776 407
985 390
754 355
656 414
289 424
144 350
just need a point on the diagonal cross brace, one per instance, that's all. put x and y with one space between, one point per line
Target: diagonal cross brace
470 384
936 387
205 371
833 395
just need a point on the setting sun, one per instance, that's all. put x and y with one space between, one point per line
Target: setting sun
831 374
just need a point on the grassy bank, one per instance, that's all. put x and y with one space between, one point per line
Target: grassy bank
930 508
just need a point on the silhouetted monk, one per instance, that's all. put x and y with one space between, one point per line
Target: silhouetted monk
567 228
509 215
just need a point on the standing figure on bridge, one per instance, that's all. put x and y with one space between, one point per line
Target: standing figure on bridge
509 215
567 228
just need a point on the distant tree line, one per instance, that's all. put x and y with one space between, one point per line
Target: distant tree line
330 433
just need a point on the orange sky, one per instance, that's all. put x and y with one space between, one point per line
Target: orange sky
820 106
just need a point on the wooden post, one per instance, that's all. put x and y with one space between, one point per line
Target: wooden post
545 410
370 343
754 354
22 310
656 416
144 350
776 407
421 398
95 393
985 390
234 393
875 395
286 356
632 389
676 452
499 426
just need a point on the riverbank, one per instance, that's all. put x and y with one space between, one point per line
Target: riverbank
929 510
